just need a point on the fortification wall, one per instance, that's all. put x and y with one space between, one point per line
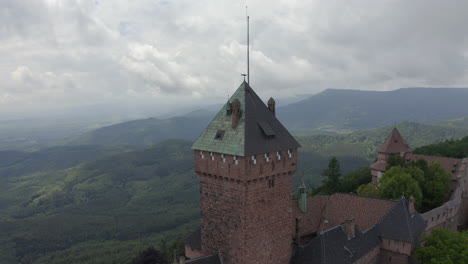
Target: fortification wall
454 213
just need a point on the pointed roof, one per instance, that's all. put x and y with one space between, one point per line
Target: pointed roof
395 143
257 132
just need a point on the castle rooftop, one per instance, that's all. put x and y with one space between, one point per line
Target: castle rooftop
245 126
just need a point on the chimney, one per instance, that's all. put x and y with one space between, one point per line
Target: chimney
349 228
302 198
236 113
271 105
411 205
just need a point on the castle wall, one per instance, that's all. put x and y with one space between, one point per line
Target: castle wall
245 168
246 206
370 257
454 213
390 257
400 247
221 215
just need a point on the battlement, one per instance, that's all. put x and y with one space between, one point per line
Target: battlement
246 168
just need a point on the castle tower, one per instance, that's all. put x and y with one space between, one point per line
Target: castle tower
395 144
245 160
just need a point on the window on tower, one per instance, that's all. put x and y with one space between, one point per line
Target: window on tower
220 134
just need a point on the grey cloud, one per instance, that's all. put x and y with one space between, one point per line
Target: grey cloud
78 52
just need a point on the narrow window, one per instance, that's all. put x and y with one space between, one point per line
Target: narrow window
254 160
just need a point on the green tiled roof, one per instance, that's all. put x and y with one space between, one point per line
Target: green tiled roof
253 132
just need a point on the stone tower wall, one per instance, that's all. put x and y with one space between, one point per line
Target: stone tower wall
246 206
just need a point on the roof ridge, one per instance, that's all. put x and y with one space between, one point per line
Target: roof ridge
405 209
385 215
366 197
322 240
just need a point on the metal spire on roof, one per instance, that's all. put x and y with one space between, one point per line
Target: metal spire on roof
248 46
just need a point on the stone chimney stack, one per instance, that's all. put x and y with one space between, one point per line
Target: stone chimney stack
236 113
350 228
411 205
271 105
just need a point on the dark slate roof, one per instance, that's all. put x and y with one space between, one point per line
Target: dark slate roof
194 240
333 246
258 131
399 224
394 143
210 259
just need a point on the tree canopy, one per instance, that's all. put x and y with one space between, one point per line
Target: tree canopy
449 148
397 182
431 178
444 246
368 190
150 256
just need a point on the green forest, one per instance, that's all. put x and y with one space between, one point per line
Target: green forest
106 203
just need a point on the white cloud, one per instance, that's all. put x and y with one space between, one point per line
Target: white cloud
72 52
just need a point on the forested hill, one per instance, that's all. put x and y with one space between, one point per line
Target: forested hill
97 212
359 110
145 132
450 148
364 144
104 211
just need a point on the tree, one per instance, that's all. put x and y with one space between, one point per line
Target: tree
435 186
396 182
449 148
444 246
353 180
150 256
331 176
431 177
368 190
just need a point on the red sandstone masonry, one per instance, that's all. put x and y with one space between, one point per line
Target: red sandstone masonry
246 208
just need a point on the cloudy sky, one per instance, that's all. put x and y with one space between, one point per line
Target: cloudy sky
66 53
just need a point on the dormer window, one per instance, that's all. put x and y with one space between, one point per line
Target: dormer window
266 129
219 134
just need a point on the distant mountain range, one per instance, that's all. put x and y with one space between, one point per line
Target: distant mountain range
328 112
331 111
338 110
